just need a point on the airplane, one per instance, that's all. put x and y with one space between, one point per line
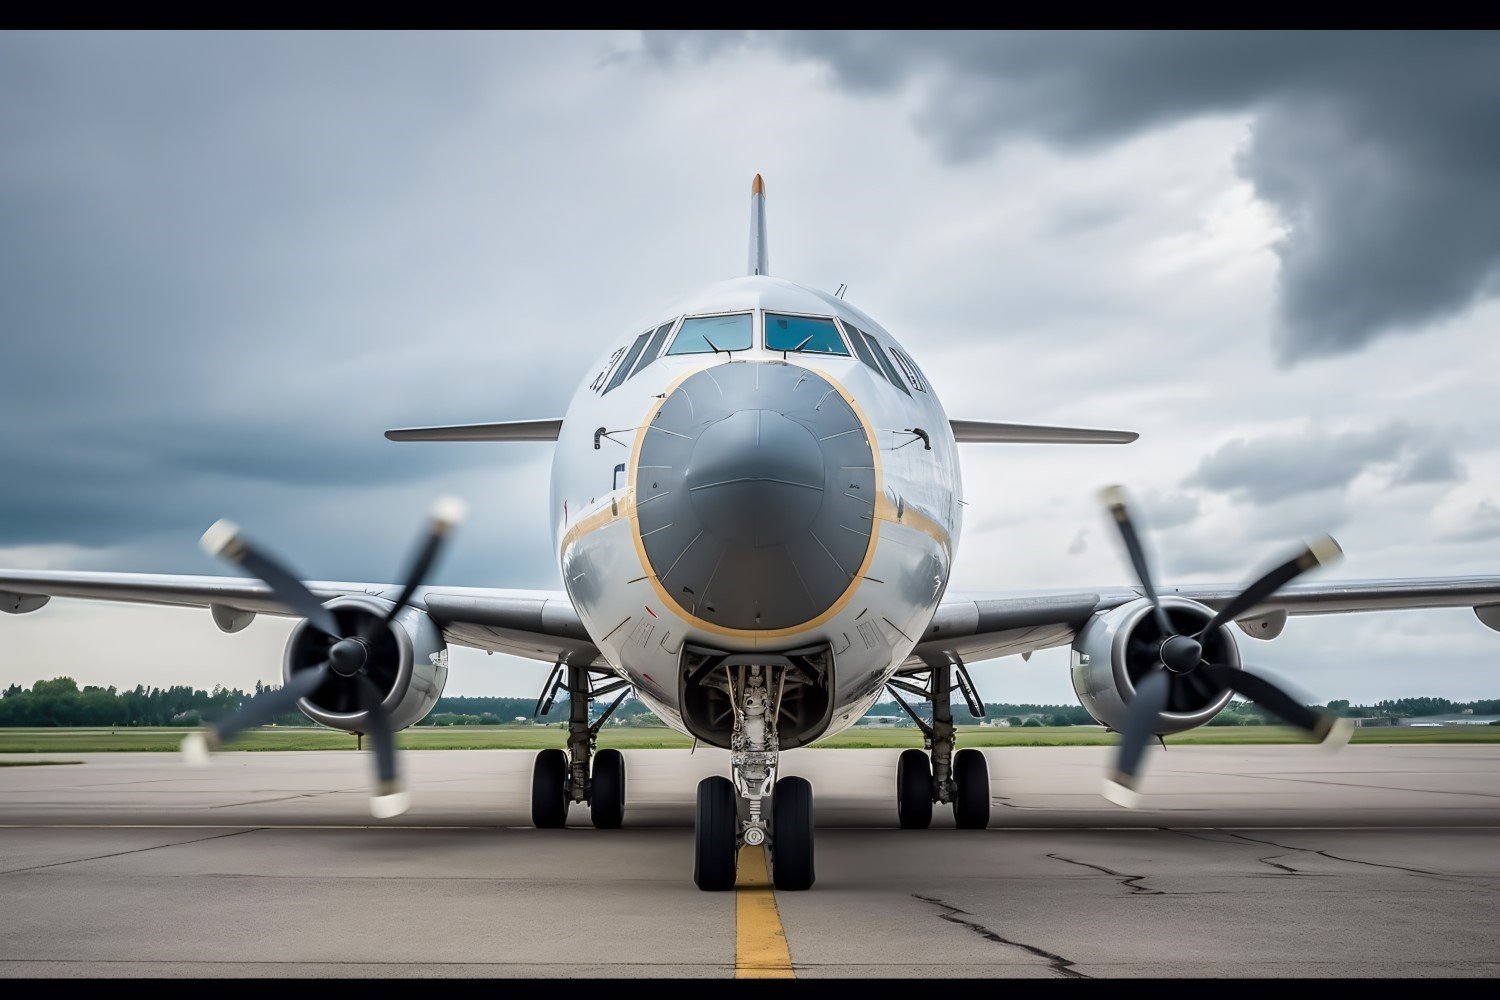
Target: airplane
755 502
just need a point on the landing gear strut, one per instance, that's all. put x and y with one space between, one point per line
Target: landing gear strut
561 778
734 813
960 779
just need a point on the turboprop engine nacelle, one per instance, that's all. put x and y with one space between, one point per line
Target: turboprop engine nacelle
1114 650
407 661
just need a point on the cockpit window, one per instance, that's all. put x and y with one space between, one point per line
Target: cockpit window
653 348
871 354
706 334
808 334
623 372
860 347
909 369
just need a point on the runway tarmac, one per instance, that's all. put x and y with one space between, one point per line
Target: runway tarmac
1246 861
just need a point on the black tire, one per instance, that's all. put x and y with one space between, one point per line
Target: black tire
792 835
607 794
714 848
549 790
971 790
914 790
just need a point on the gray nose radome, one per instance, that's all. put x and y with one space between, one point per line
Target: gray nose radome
755 495
755 478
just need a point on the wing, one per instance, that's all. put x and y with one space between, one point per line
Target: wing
974 627
510 430
990 432
536 624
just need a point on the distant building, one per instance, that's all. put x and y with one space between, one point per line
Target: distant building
1377 720
996 722
882 721
1432 721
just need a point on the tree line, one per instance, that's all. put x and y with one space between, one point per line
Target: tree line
1237 713
61 702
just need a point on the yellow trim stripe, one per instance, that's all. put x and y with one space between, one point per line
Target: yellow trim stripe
603 517
914 519
760 948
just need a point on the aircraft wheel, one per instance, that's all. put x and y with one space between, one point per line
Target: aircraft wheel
714 847
607 795
792 835
971 787
549 790
914 790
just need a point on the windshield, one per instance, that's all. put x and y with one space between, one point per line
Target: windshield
871 354
622 372
810 334
705 334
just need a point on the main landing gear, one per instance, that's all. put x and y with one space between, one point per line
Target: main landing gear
560 778
960 779
733 813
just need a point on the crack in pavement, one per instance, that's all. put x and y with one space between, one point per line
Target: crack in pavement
1289 870
1265 860
138 850
1424 872
1131 882
1439 876
1335 857
1062 966
285 798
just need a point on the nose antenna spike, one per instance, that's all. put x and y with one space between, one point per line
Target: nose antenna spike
758 254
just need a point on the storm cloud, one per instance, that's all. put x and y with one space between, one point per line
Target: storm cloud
1378 151
1275 467
229 262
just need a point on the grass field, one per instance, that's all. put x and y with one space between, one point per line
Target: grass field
536 738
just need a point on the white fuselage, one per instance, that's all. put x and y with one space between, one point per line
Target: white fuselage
889 545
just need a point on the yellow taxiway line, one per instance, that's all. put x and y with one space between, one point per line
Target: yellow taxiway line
760 948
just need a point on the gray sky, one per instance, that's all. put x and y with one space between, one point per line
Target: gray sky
228 263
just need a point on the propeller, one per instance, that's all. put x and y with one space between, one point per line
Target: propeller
348 656
1180 671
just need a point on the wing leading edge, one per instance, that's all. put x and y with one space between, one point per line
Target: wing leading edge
508 430
990 432
536 624
983 626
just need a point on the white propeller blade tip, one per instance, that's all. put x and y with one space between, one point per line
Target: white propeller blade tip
389 806
1325 550
195 750
219 537
1338 734
1125 798
1112 497
449 512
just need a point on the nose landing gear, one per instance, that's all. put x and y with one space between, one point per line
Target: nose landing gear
732 813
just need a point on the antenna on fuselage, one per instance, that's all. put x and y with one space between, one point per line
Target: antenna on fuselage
758 261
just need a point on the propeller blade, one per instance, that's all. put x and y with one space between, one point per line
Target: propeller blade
223 539
257 711
1113 497
1329 729
1140 718
390 798
446 514
1321 551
